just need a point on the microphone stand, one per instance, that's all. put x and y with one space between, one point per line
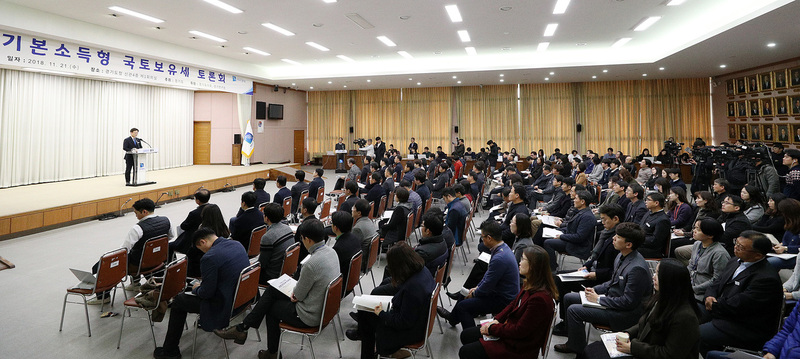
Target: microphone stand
108 216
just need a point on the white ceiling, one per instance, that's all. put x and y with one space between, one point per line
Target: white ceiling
690 40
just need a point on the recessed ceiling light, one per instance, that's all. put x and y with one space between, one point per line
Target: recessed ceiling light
644 75
329 1
330 82
359 21
550 30
455 77
345 86
369 80
294 84
660 69
257 51
224 6
405 17
311 88
675 2
291 62
410 79
131 82
723 66
771 44
207 36
345 58
501 80
405 54
580 44
317 46
464 35
419 83
135 14
506 48
561 7
386 41
437 52
646 23
547 79
621 42
542 46
505 8
594 77
604 71
552 73
277 28
501 75
452 11
471 51
459 81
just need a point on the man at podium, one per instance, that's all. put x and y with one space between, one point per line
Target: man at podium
129 144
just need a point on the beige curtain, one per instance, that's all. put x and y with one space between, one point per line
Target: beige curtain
377 113
547 117
328 119
488 113
427 116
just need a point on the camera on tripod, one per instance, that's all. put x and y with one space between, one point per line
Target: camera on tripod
360 142
673 148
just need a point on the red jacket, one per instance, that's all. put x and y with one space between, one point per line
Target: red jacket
457 170
523 327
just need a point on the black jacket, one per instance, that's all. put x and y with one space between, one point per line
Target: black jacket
380 150
346 246
656 228
601 261
297 190
635 212
244 224
193 220
735 224
314 186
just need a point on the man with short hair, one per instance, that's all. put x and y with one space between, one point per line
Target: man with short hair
656 227
283 192
413 196
675 178
213 297
380 149
305 306
413 147
394 229
274 243
636 208
743 305
316 183
560 204
298 189
629 287
363 227
408 171
347 244
130 144
517 196
577 232
352 174
734 221
432 247
365 169
307 209
721 190
456 214
183 244
261 195
498 287
349 197
442 179
242 225
422 190
374 192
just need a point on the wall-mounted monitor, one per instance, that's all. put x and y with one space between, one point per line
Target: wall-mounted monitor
275 112
261 110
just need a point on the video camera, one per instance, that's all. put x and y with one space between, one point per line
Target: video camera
673 148
360 142
720 155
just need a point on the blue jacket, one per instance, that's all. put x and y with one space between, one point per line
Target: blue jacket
787 341
791 241
314 186
220 268
406 321
501 280
281 195
456 219
579 233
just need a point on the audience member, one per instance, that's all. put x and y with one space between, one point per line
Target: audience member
350 196
735 221
363 227
636 209
656 227
790 241
754 201
772 221
242 225
709 258
274 243
183 244
374 192
679 211
791 159
316 183
283 192
577 233
456 214
347 244
394 229
298 189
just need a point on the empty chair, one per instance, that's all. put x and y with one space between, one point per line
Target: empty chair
255 241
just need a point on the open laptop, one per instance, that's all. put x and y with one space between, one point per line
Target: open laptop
87 279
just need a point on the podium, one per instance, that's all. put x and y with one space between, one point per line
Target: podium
140 156
340 167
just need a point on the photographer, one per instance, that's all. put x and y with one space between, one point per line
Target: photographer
768 179
701 170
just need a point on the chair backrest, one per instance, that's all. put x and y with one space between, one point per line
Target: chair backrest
374 247
432 312
353 273
247 288
340 202
326 210
154 253
546 346
450 260
303 196
333 300
358 178
428 203
320 194
440 273
372 210
112 269
287 206
290 258
467 221
390 200
396 177
261 206
255 240
409 224
418 217
174 279
381 207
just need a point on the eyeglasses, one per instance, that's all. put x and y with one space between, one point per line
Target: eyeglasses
738 245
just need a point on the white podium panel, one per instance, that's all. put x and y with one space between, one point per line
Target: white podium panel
140 160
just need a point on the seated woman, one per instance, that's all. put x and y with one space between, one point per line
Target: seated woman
521 227
521 328
772 221
669 327
706 207
709 257
678 210
211 217
754 200
407 321
790 242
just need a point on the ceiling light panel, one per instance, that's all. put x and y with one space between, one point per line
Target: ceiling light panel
550 30
621 42
227 7
257 51
207 36
359 21
452 11
291 62
543 46
135 14
317 46
675 2
345 58
277 28
405 54
471 51
464 35
329 1
646 23
386 41
561 7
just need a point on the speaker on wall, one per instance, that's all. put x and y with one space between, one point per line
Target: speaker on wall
456 129
351 129
276 88
578 128
237 139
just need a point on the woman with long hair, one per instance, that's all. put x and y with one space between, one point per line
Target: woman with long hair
679 211
211 217
521 328
754 200
790 242
772 221
670 325
626 175
523 231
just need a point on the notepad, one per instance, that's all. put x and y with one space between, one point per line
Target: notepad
573 276
485 257
488 338
284 284
784 256
586 303
610 342
550 232
368 302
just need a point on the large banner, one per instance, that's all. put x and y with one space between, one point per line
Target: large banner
25 51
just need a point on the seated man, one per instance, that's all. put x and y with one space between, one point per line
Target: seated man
542 188
347 244
422 189
742 306
735 221
559 205
221 265
456 214
316 183
625 293
413 196
656 227
432 247
374 192
350 196
307 209
442 179
365 169
408 174
578 232
394 229
149 226
242 225
283 192
274 243
352 174
261 195
517 197
388 181
499 286
636 208
363 227
183 243
304 308
298 189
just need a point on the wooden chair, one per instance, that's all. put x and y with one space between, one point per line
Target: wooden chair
287 206
372 257
245 295
409 226
254 249
173 284
381 208
418 222
326 210
425 343
291 259
372 211
353 278
320 194
390 200
154 257
330 308
440 272
111 272
339 202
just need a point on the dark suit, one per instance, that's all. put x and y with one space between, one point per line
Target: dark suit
601 262
513 210
297 190
442 180
747 308
380 150
213 299
243 224
656 228
347 206
281 195
127 145
261 197
314 186
577 237
184 244
374 194
735 224
635 212
346 246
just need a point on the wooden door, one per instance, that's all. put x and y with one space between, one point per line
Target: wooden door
202 143
299 146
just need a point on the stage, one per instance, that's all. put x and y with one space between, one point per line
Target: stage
44 206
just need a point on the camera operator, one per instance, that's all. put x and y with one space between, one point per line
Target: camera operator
767 176
701 169
736 172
